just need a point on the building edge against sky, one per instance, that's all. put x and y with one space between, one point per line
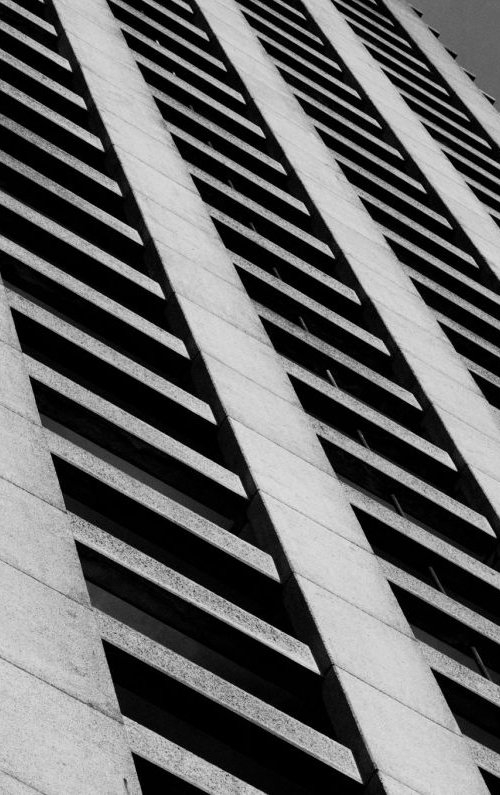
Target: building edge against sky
249 409
469 30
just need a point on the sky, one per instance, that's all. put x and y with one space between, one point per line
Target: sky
472 29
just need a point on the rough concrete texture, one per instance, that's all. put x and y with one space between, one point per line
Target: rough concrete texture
12 786
485 758
420 753
160 504
400 740
464 676
373 652
56 642
35 540
446 604
424 537
87 750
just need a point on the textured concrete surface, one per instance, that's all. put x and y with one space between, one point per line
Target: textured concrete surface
326 559
35 540
375 653
485 758
12 786
386 706
435 759
56 642
235 339
87 749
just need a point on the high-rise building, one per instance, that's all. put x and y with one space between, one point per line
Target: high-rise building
249 402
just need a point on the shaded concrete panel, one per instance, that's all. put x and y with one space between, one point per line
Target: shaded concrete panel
269 469
28 462
233 394
57 744
326 559
370 650
11 786
485 758
13 392
35 540
435 760
56 641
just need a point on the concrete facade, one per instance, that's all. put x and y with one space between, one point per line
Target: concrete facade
230 409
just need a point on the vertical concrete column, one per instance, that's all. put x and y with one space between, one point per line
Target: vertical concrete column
382 695
60 726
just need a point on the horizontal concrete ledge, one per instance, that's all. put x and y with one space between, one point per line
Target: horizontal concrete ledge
485 758
190 592
440 601
141 433
162 505
182 763
229 696
459 673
